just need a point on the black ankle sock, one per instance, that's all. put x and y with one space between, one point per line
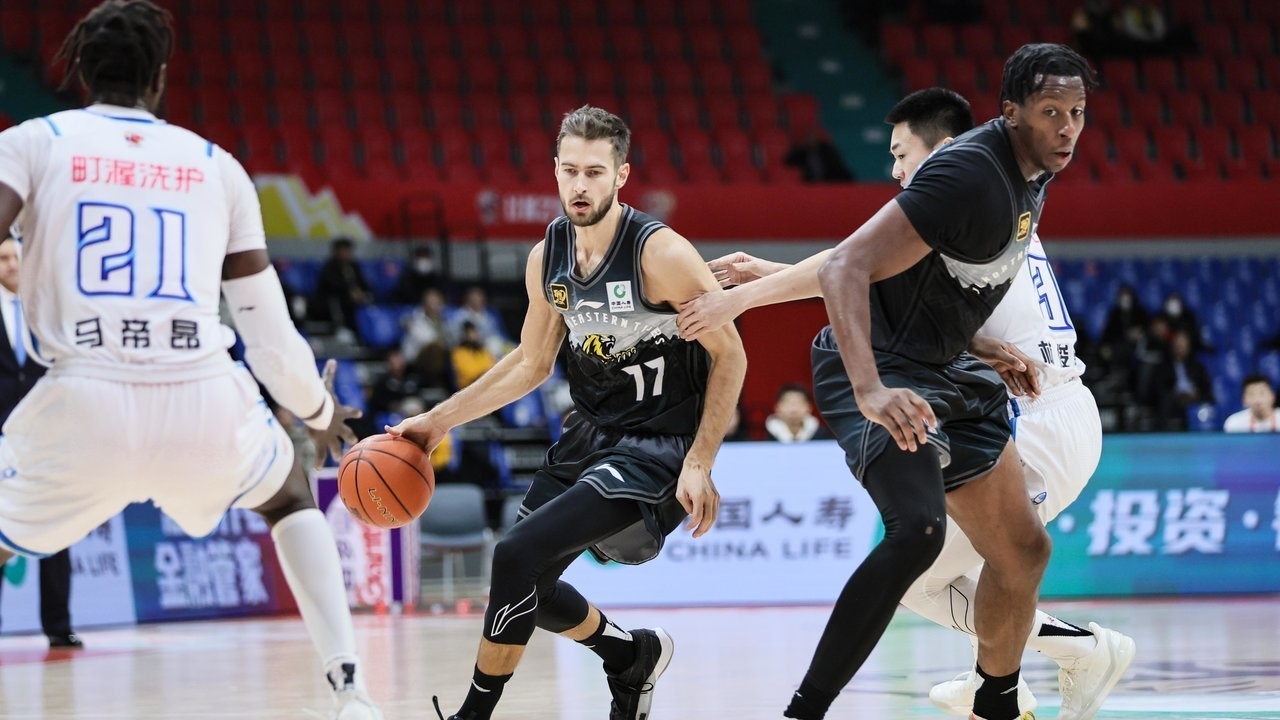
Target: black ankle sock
809 703
613 644
997 697
483 695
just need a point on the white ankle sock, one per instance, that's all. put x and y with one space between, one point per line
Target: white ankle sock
1060 641
309 558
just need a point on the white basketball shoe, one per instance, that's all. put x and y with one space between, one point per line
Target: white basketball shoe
1086 682
350 700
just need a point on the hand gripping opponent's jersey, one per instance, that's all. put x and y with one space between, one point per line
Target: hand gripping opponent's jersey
628 367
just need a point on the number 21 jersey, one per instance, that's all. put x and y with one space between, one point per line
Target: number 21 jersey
628 367
125 225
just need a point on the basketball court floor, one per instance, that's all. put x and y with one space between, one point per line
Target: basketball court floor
1197 659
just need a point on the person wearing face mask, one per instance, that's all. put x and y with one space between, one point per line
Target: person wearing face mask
418 276
1182 319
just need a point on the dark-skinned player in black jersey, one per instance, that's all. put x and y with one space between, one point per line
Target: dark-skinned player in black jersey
922 422
650 410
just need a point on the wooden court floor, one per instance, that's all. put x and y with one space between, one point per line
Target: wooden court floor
1197 659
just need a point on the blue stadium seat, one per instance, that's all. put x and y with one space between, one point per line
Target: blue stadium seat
299 276
525 412
379 325
1269 365
383 275
346 384
1203 418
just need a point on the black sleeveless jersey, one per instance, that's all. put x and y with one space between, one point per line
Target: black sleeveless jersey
972 205
628 367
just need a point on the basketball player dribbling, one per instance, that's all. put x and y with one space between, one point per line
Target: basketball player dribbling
650 411
1056 425
132 228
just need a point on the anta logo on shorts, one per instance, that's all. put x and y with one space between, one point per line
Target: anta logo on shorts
601 346
559 295
1024 226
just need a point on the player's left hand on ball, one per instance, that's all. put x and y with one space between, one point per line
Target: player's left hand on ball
699 497
1015 368
329 441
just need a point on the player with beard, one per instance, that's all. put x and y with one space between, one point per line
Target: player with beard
650 410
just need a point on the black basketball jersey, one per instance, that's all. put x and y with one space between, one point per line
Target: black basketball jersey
970 202
628 367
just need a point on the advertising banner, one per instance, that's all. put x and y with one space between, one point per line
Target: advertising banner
101 594
233 571
380 567
1173 515
793 526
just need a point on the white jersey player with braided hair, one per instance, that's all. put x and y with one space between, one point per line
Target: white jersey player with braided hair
133 230
1030 340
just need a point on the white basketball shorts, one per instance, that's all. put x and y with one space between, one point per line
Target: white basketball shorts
79 448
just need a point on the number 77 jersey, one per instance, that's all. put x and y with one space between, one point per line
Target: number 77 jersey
628 367
125 225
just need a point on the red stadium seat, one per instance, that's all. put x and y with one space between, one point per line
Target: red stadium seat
977 40
744 42
802 113
403 74
938 40
637 79
1013 37
1266 107
329 108
708 45
483 75
1159 75
444 111
1130 145
642 114
396 41
1146 111
327 71
453 147
1255 142
590 47
485 111
1119 76
676 76
666 43
651 148
1213 144
898 43
1186 108
773 146
493 145
1189 11
628 44
1216 40
417 147
1200 73
290 108
521 76
250 71
525 111
683 113
321 38
559 75
472 41
715 77
1172 143
363 72
991 72
762 112
754 78
444 74
733 12
243 36
251 111
960 74
1255 39
599 77
258 143
698 13
724 114
436 41
1227 108
1241 73
1103 113
920 73
1155 171
1271 73
408 109
357 38
660 12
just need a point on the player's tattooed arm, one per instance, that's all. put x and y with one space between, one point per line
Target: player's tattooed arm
673 273
514 376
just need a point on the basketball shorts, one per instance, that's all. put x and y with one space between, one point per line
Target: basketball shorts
79 448
622 467
966 395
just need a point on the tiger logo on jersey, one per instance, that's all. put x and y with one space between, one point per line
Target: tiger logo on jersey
601 346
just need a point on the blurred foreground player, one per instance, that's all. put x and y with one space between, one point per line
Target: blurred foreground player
131 229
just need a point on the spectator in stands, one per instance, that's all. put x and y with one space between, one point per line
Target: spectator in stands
1182 318
395 384
475 310
1259 413
471 358
341 287
418 276
1182 381
1137 28
793 419
426 340
818 160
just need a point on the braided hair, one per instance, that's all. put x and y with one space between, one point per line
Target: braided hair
116 51
1026 70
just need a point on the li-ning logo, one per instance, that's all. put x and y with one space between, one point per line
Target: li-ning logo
1024 226
559 296
382 509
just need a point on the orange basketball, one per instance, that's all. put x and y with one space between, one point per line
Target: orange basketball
386 481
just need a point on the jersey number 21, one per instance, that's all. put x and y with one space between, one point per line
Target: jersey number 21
108 242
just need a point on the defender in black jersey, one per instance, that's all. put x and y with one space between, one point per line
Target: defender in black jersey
650 410
905 294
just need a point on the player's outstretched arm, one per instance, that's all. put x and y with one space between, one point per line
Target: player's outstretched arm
514 376
884 246
673 273
712 310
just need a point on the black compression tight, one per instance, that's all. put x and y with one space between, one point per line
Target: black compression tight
907 488
527 563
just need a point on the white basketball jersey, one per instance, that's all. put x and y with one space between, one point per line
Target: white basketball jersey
125 225
1033 316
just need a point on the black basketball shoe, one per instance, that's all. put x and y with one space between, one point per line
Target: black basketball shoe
633 688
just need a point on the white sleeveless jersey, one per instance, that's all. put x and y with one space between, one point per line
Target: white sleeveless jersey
125 225
1033 316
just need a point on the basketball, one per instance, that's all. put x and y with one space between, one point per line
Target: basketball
386 481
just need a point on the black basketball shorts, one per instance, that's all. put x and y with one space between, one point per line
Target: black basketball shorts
967 396
621 467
